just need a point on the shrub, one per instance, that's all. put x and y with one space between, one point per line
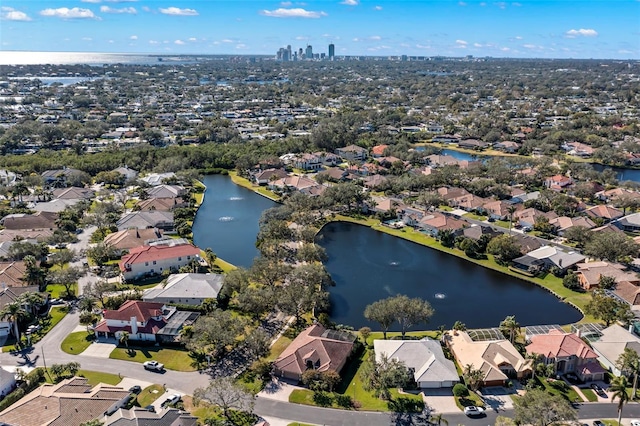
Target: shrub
460 390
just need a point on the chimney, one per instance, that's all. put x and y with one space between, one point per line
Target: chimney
578 333
134 325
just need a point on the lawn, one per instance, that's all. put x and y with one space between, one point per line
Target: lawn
76 343
353 387
150 394
278 347
57 290
560 388
590 394
471 399
550 282
173 359
238 180
95 377
226 267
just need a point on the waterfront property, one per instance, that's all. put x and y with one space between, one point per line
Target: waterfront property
424 358
154 260
186 289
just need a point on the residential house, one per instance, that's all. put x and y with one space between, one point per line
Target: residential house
12 273
498 359
448 139
527 217
378 150
449 193
578 149
558 182
424 359
609 227
160 204
263 177
473 144
547 257
432 224
24 221
129 238
185 289
40 235
70 402
155 179
58 177
293 183
146 219
526 242
7 381
475 232
384 204
618 192
144 321
308 162
53 206
611 343
563 223
153 260
314 348
507 146
73 193
7 178
374 181
166 191
437 160
629 223
589 274
128 173
468 202
352 153
329 159
604 213
568 354
143 417
498 209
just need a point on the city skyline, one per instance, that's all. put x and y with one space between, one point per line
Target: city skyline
524 29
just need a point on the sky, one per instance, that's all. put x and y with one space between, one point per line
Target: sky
523 29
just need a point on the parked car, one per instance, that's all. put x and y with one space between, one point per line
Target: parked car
172 399
150 408
597 389
56 301
472 411
598 423
135 389
153 366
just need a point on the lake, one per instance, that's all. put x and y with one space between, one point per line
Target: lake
227 220
368 265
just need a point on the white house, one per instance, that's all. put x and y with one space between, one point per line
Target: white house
612 342
153 260
186 289
424 358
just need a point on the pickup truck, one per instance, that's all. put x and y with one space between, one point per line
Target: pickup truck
153 366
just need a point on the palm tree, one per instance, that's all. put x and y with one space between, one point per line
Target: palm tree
33 275
629 363
618 388
16 313
535 361
33 300
124 338
210 256
511 327
511 209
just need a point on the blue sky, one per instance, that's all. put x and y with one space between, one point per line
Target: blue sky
526 28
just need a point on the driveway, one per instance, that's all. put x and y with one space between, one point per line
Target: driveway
440 400
81 247
99 349
497 398
278 390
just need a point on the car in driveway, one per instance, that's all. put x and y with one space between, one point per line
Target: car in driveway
172 399
153 366
597 389
473 411
135 389
150 408
598 423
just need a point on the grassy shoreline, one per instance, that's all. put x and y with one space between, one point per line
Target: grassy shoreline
260 190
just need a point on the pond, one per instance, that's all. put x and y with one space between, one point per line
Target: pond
227 220
368 265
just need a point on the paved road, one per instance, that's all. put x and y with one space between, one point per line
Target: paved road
50 345
81 247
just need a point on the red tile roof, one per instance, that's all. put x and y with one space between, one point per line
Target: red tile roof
143 311
558 344
150 253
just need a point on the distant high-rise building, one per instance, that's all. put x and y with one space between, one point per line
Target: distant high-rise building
309 52
332 51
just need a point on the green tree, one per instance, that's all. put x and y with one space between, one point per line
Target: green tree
611 246
459 326
606 282
382 374
15 313
606 308
225 393
473 377
215 333
539 408
510 327
618 389
505 248
124 338
571 281
629 364
382 313
410 312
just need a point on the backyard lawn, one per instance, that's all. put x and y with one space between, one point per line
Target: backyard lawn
58 290
75 343
173 359
95 377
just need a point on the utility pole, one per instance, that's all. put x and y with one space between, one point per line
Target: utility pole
44 361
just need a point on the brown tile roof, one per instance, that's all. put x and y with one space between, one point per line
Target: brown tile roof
160 204
38 220
557 344
11 274
325 353
604 211
130 238
23 234
628 291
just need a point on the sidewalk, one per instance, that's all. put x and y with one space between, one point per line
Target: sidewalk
277 390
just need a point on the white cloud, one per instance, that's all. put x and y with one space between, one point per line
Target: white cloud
87 39
146 8
91 1
302 38
375 37
477 45
531 46
505 49
518 37
154 42
423 46
107 9
133 37
176 11
227 40
241 46
10 14
285 3
516 4
66 13
582 32
350 2
179 42
292 13
501 5
377 8
461 3
193 39
461 43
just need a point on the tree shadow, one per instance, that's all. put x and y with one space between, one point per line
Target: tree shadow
405 405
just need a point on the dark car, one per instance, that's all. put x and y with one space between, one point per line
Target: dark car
598 423
135 389
150 408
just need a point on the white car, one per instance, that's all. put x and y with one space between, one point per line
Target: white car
172 399
153 366
473 411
